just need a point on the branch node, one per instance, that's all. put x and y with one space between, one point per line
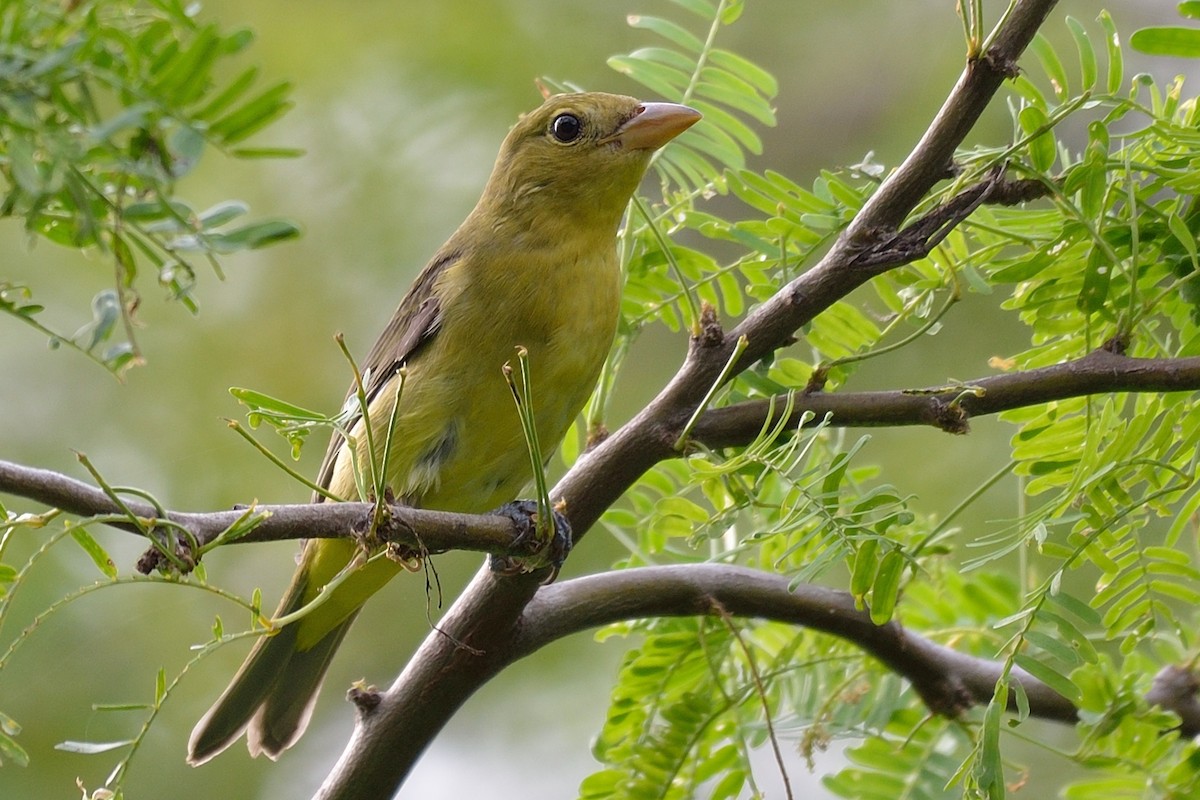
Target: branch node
150 561
1000 61
1118 345
710 333
951 417
595 437
365 699
397 534
816 381
155 559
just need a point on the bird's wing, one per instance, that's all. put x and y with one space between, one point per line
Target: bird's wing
414 324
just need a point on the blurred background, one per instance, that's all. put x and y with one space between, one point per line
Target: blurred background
400 109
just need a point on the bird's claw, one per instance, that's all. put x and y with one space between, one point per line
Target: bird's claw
524 514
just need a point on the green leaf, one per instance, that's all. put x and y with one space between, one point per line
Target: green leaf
97 553
253 236
989 768
92 748
1052 678
229 95
188 71
9 725
1094 171
254 115
1042 150
24 168
731 125
1041 47
1167 41
1024 269
730 786
134 116
602 784
866 559
745 70
260 403
668 30
665 56
1027 90
1077 607
1116 59
1096 280
663 80
221 213
728 89
266 152
122 707
732 11
1087 56
681 507
1184 236
10 751
1053 647
701 8
886 588
186 146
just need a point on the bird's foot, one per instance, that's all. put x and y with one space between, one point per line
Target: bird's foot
552 553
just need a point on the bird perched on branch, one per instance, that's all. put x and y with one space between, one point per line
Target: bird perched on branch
534 266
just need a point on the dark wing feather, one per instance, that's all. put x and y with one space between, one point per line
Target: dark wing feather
415 323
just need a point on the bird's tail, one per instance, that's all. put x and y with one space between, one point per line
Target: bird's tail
272 696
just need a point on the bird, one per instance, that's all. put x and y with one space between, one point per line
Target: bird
533 266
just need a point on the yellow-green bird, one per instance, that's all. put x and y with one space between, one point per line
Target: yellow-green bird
534 265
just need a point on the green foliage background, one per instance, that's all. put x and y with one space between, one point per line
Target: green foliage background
400 111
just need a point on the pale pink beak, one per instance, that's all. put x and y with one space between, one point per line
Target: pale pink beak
655 124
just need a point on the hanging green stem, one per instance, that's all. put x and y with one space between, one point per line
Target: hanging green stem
279 462
521 396
360 394
664 244
738 349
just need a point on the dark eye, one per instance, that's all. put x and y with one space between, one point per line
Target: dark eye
566 128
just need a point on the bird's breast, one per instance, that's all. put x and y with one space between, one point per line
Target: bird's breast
561 305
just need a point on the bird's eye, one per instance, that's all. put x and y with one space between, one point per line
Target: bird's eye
566 128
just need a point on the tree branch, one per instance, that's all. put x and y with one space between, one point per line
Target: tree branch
951 408
442 673
416 529
948 682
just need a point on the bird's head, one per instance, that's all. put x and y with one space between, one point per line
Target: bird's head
581 155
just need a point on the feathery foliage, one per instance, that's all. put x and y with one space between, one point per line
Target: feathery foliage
104 107
1091 585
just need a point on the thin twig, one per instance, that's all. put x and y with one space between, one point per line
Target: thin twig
761 691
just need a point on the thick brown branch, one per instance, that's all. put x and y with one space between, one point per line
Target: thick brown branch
950 408
948 682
